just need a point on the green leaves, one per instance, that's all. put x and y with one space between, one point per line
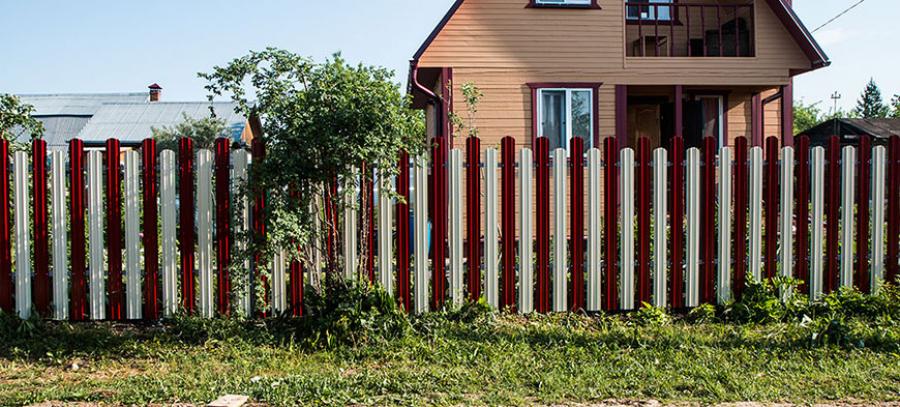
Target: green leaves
203 132
16 120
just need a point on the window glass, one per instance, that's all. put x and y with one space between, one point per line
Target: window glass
553 119
649 12
566 113
582 122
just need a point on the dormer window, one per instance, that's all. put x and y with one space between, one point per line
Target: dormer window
564 3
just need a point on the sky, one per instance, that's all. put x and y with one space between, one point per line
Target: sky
64 46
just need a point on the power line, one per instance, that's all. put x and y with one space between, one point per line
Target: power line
841 14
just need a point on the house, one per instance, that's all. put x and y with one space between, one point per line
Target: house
129 117
880 130
616 68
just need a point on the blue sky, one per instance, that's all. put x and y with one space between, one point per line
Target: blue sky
114 45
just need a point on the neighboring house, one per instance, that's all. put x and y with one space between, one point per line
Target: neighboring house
850 130
616 68
128 117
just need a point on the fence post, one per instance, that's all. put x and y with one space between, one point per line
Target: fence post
611 212
848 192
725 216
402 208
114 230
186 222
6 282
239 159
491 251
133 306
644 197
893 210
595 231
60 240
23 241
439 228
626 193
660 229
78 309
386 232
542 150
740 216
167 203
878 195
787 211
508 215
802 188
832 205
676 197
204 231
756 209
526 240
258 223
692 205
576 219
708 220
40 228
223 225
421 238
456 224
367 178
473 216
151 230
772 201
862 214
560 236
817 280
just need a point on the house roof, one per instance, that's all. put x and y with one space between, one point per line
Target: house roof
849 129
133 122
76 104
785 13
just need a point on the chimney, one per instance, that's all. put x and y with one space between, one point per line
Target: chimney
155 92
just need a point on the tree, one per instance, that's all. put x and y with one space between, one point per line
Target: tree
806 116
472 96
320 122
870 104
895 103
16 119
204 132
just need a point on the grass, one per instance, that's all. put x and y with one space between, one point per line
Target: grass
508 360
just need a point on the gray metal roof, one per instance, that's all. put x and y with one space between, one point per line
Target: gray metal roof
58 130
131 122
78 104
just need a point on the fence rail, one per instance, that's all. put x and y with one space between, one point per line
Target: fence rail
140 235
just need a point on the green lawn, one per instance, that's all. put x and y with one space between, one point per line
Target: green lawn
486 359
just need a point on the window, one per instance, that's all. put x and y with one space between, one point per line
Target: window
565 113
565 3
712 111
658 10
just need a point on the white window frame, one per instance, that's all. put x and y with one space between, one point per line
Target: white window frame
589 143
563 2
721 100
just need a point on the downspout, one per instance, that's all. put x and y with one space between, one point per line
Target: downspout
434 99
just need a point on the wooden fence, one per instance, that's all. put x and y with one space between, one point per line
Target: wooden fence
143 234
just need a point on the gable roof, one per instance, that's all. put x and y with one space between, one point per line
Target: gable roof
785 14
77 104
133 122
850 129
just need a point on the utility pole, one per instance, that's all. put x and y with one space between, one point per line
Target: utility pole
836 96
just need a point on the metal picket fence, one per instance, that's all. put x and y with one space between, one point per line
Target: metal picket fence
122 234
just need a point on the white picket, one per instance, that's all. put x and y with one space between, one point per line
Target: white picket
660 216
725 208
491 250
385 230
351 221
279 283
60 242
848 213
420 201
132 236
526 238
169 225
692 294
95 215
626 195
23 234
455 179
595 224
816 277
204 162
756 201
878 202
560 264
787 211
239 163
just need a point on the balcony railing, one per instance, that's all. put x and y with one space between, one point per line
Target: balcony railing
689 29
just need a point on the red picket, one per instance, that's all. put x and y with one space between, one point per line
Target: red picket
331 223
368 187
40 229
576 216
296 276
439 224
6 282
508 222
832 207
740 216
644 171
258 223
223 225
542 233
114 284
862 213
771 194
186 222
151 237
708 221
473 216
78 292
802 185
611 224
893 199
402 207
676 208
